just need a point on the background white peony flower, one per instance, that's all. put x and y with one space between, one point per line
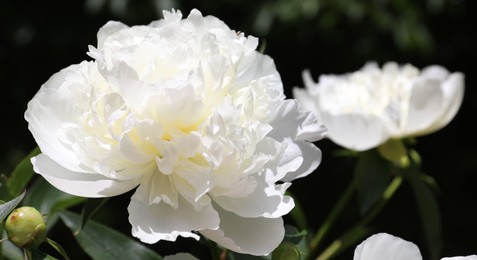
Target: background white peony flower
364 109
190 113
385 246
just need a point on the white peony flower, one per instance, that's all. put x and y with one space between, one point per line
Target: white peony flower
364 109
187 111
469 257
385 246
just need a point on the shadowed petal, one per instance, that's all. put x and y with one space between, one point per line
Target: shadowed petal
159 221
78 183
356 132
255 236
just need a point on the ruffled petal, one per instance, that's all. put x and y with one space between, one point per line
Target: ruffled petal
50 112
266 200
306 100
255 236
384 246
90 185
311 160
107 30
152 222
291 121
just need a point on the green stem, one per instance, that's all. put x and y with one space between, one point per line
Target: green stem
332 217
298 215
359 230
214 250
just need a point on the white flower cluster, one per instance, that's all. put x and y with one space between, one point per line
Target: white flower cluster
187 111
364 109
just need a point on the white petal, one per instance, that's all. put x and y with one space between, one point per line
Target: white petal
384 246
159 189
453 89
288 160
255 236
107 30
469 257
306 100
50 112
354 131
291 122
154 222
425 105
265 200
311 160
78 183
192 181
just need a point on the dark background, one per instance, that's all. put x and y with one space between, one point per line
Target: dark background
39 38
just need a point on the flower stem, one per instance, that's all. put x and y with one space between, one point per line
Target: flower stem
214 250
332 217
359 230
298 215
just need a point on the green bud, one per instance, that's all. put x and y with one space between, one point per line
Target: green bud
26 227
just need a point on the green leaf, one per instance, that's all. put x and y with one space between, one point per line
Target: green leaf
89 209
101 242
237 256
298 238
293 235
286 251
48 200
345 153
38 255
372 176
429 213
3 188
21 175
11 251
7 207
58 248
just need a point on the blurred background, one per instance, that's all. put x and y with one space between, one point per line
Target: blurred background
38 38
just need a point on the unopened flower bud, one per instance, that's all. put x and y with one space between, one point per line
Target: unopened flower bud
26 227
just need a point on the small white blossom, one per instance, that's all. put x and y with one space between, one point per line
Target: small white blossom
187 111
364 109
385 246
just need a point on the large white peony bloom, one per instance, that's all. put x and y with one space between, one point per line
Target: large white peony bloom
364 109
187 111
385 246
